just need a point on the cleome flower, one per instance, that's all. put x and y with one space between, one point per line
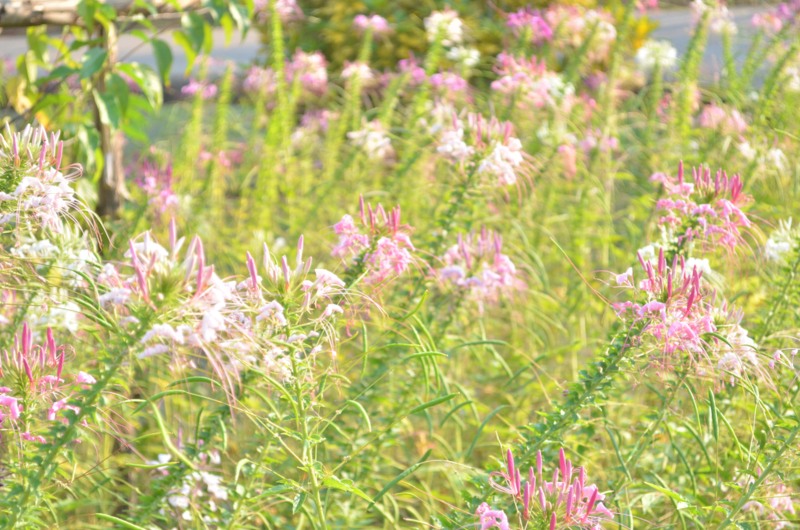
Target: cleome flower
561 500
477 266
656 54
776 502
531 83
374 23
34 374
685 323
485 147
445 27
530 25
782 242
373 141
707 209
33 189
381 248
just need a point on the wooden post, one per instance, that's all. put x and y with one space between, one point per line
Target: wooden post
111 188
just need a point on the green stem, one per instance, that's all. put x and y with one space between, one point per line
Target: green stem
761 478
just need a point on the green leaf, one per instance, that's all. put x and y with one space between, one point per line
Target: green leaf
108 108
432 403
194 25
163 55
120 523
345 485
297 503
669 493
92 62
401 476
58 73
86 10
117 87
227 28
182 40
147 80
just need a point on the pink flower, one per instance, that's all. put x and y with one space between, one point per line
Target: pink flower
449 82
375 23
12 405
384 250
530 24
310 71
157 182
259 80
477 265
729 122
490 518
85 379
412 68
564 500
205 90
708 209
31 438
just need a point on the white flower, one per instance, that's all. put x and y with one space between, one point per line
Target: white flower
650 252
719 18
212 322
164 331
373 141
179 501
503 161
747 151
453 147
701 265
359 70
781 242
446 26
659 53
777 158
273 313
792 82
468 57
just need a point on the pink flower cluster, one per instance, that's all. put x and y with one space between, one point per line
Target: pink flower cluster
41 367
530 80
37 190
412 68
784 14
259 80
156 182
449 84
288 11
308 70
563 502
684 319
487 147
531 25
204 89
374 23
574 25
381 243
708 209
716 117
477 265
234 323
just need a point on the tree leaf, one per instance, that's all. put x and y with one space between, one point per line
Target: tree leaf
93 61
108 108
163 54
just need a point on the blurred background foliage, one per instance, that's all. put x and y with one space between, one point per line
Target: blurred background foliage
329 27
